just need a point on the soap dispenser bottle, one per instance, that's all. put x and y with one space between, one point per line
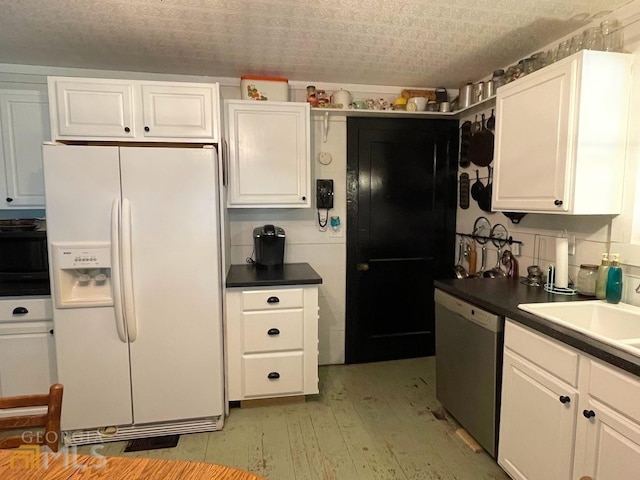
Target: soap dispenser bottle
601 278
614 280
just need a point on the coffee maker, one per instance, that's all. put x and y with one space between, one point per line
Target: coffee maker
268 242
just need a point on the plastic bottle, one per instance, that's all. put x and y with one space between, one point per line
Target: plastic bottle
601 279
614 280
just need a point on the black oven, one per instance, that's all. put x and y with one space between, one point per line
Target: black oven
24 267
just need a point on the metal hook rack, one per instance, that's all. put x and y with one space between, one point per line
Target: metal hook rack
508 240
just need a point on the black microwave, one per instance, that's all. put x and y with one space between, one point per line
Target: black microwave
23 256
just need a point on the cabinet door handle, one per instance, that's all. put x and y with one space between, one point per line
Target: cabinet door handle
588 413
557 203
20 311
273 331
127 129
146 129
273 376
564 399
51 331
304 199
273 300
9 199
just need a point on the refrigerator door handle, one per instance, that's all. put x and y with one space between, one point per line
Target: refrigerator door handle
127 275
115 269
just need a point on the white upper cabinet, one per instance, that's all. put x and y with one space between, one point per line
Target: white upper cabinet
130 110
269 154
560 137
24 125
171 110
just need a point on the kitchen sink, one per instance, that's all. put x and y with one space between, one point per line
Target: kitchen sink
617 325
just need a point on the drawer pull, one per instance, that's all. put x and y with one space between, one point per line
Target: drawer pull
20 311
273 331
588 413
273 300
564 399
273 376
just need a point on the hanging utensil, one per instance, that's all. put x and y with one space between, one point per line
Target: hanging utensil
459 269
483 262
497 270
481 147
491 122
477 187
465 138
464 191
472 258
484 202
476 126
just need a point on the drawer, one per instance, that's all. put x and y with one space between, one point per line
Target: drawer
36 308
272 299
273 331
615 388
543 352
287 367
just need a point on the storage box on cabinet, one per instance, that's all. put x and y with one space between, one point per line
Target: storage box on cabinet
130 110
272 347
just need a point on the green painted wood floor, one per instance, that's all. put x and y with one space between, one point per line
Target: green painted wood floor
371 421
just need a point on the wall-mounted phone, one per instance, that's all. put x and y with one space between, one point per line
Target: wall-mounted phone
324 194
324 201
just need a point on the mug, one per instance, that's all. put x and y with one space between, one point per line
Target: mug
419 102
359 104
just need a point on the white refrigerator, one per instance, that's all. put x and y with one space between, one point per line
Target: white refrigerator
134 248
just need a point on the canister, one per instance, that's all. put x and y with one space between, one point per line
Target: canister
478 92
586 284
466 95
489 89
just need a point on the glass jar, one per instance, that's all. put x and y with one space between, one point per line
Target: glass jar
322 99
563 50
592 39
611 36
311 95
537 61
498 78
586 284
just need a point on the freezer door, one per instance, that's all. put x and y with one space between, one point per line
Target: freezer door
176 346
81 183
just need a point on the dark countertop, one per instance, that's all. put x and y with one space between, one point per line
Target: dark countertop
502 296
290 274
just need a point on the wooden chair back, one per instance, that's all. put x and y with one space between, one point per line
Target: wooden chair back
50 421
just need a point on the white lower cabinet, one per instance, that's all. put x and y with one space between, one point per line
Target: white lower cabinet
271 341
27 351
565 415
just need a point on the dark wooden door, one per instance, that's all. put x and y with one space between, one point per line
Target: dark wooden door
401 208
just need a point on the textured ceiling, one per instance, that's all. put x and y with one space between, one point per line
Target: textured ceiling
383 42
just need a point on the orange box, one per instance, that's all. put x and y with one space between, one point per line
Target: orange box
259 87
